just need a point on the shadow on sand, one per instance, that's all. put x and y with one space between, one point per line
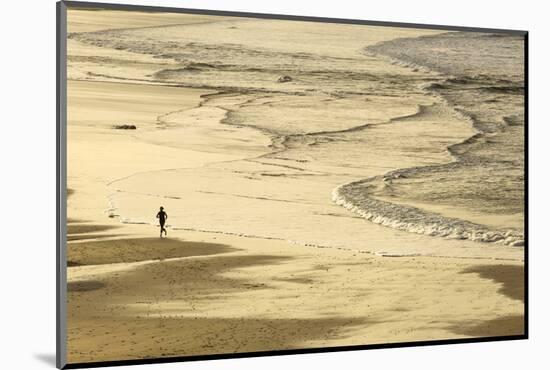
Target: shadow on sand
144 338
512 279
84 286
122 250
149 311
510 276
177 330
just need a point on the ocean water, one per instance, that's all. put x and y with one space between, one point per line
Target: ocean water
483 80
382 139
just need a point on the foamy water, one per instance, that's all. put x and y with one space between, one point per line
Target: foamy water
366 122
483 81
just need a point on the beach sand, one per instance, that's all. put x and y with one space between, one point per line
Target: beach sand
134 295
341 281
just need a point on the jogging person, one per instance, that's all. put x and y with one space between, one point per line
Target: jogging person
162 216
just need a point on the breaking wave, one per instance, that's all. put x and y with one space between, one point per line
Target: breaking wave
411 219
488 165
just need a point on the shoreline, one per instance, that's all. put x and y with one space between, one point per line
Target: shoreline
259 149
205 95
262 150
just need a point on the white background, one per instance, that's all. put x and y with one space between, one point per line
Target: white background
27 132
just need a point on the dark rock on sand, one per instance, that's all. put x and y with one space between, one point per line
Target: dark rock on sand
124 127
284 79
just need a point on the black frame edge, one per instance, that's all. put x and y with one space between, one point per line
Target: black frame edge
526 183
61 185
290 352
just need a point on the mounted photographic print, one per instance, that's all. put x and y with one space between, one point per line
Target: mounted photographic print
235 184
